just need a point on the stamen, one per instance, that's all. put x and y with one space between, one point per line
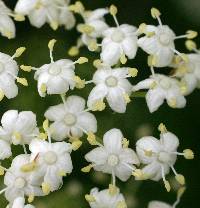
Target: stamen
85 28
112 189
133 72
29 167
87 169
73 51
43 88
155 13
179 178
191 46
26 68
22 81
77 7
166 183
162 128
188 154
123 59
89 198
31 198
113 11
80 84
92 139
179 195
99 105
97 63
46 188
121 204
45 125
93 46
51 46
125 143
76 145
19 52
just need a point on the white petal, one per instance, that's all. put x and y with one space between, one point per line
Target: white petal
149 45
97 13
24 6
7 25
66 18
5 150
38 145
37 17
127 155
145 84
101 75
18 202
130 46
158 204
152 170
169 141
55 113
191 82
9 119
75 104
123 172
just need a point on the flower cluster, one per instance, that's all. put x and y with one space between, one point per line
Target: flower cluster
47 156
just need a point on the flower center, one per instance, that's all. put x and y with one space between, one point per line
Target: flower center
164 157
1 67
50 157
117 36
20 183
111 81
70 119
54 69
164 39
113 160
165 83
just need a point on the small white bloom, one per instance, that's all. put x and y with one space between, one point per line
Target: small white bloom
71 119
118 42
19 202
7 26
112 157
161 87
18 127
158 204
105 199
19 183
53 161
113 85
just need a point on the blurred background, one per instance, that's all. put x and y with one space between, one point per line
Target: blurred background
181 15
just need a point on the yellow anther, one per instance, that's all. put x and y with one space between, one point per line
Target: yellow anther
8 34
84 28
22 81
121 204
87 169
92 139
183 87
90 198
188 154
125 143
19 17
172 102
46 188
51 44
113 190
162 128
167 186
19 52
77 7
29 167
45 125
82 60
73 51
93 46
153 85
148 153
142 28
152 60
1 94
185 58
113 10
38 5
62 173
155 13
79 82
31 198
54 25
25 68
191 34
76 145
126 98
180 179
97 63
190 45
150 34
2 171
98 106
133 72
17 135
43 136
43 88
138 173
123 59
181 191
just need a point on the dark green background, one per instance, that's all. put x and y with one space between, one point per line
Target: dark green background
184 123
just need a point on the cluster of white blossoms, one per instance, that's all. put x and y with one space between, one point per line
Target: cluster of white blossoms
46 156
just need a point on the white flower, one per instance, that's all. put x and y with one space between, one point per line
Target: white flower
189 73
95 20
7 26
159 156
18 127
40 12
105 199
19 183
112 157
158 204
19 202
161 87
159 41
118 42
113 85
71 119
53 161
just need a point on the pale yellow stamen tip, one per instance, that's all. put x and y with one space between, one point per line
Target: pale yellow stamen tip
2 171
121 204
190 45
62 173
45 124
125 143
126 98
142 28
31 198
43 88
162 128
43 136
8 34
92 139
113 10
185 57
112 189
90 198
181 191
80 84
123 59
19 17
92 46
180 179
138 173
133 72
152 60
84 28
82 60
76 145
46 188
54 25
98 106
29 167
25 68
87 169
97 63
172 103
148 153
188 154
191 34
155 13
51 44
73 51
1 94
167 186
150 34
19 52
17 135
22 81
77 7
